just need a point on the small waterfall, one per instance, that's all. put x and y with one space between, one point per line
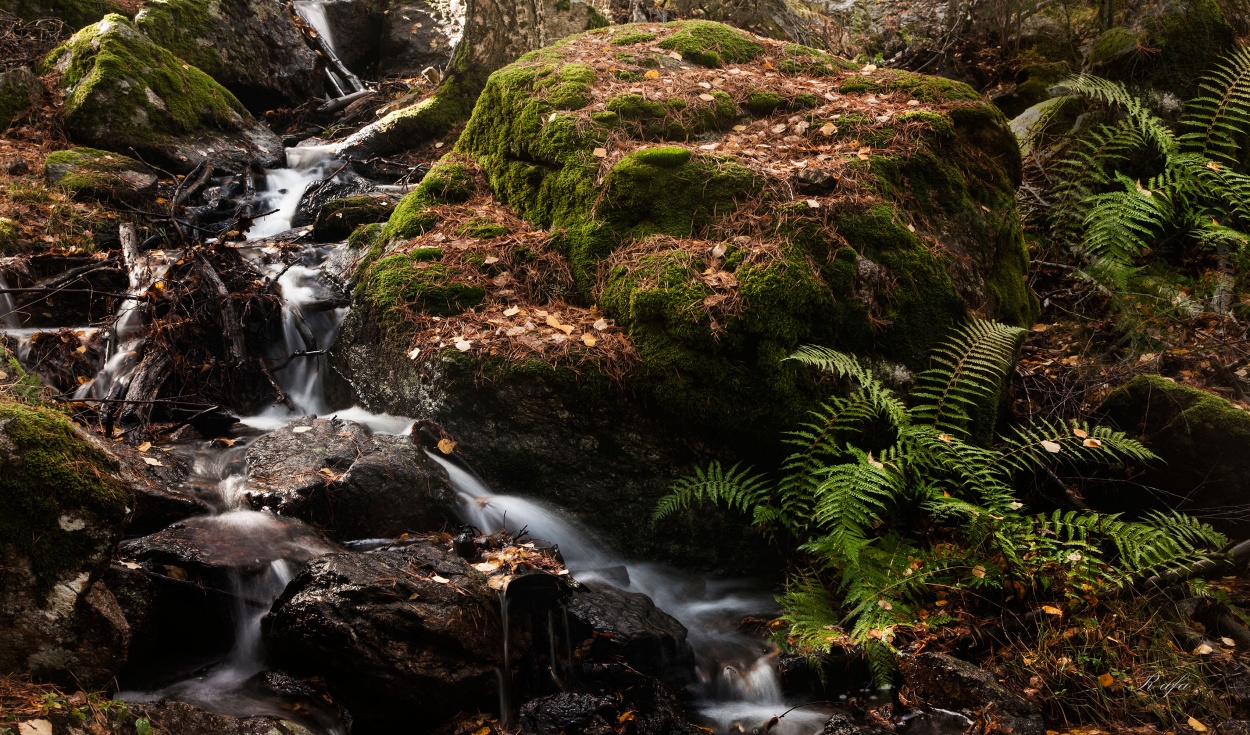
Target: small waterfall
9 318
739 683
284 187
341 80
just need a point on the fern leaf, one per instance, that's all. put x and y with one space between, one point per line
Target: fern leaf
968 370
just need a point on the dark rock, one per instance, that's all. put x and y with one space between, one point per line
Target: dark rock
251 47
1202 441
571 713
318 194
16 166
65 504
342 477
939 680
186 719
88 173
628 625
417 34
124 92
162 496
338 218
20 90
209 547
356 27
393 645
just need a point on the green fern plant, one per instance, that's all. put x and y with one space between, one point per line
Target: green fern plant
882 529
1132 183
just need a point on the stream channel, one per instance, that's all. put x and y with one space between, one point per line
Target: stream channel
737 687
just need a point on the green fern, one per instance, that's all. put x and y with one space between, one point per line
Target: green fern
853 514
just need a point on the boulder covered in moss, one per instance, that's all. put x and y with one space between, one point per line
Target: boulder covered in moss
90 173
125 93
683 205
65 506
338 218
252 47
20 90
1201 440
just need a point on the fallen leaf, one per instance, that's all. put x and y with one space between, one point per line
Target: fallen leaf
490 260
653 74
1050 446
153 461
446 446
945 438
869 68
828 129
440 580
813 204
1080 433
512 311
718 251
600 325
1229 642
1197 725
515 331
884 605
35 727
463 345
144 446
1052 610
1106 680
81 349
707 98
1203 650
601 153
486 567
589 340
978 571
625 717
301 429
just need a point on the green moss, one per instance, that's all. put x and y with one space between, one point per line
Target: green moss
17 90
811 62
400 284
54 479
339 218
936 121
711 44
178 25
364 236
10 237
927 88
763 102
1190 41
122 89
573 90
90 173
1116 44
673 119
75 13
633 37
481 228
605 118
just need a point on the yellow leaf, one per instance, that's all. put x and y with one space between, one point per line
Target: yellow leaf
1080 433
1197 725
1228 642
707 98
446 446
1051 610
485 730
589 340
1091 443
945 438
144 446
626 717
1203 650
81 349
884 605
978 571
601 153
1106 680
653 74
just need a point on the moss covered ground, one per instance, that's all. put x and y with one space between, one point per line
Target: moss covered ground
723 198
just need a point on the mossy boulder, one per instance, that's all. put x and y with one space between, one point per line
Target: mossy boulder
251 47
1202 441
10 237
124 92
337 219
65 506
870 210
20 90
75 13
89 173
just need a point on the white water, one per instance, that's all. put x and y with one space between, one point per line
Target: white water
282 188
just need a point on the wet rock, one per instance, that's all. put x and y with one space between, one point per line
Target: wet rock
210 547
88 173
356 29
75 13
251 47
16 166
411 635
340 476
628 625
417 34
187 719
161 495
20 90
338 218
123 91
320 193
1202 441
939 680
65 505
571 713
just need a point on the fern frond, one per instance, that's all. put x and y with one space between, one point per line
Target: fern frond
1218 119
969 369
1120 225
1114 94
1045 443
734 488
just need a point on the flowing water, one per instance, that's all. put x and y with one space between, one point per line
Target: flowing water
738 684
